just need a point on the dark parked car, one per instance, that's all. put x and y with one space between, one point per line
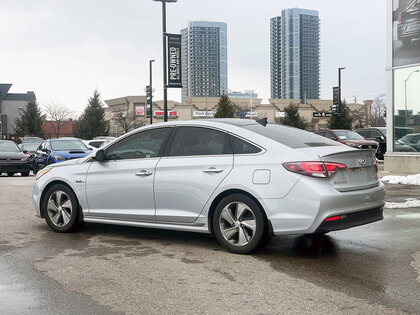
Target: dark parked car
409 23
30 145
13 159
59 150
350 138
413 140
379 134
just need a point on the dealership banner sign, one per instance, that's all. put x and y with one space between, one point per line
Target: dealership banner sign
321 114
171 114
174 61
280 114
406 32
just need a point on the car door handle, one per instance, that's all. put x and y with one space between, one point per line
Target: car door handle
213 170
143 173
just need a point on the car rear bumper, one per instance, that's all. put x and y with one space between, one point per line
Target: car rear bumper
312 201
352 219
14 167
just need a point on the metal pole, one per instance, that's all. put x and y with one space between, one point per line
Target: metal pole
165 79
151 91
339 86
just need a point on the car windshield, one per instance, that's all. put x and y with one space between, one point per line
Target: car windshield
348 135
9 147
291 137
68 145
31 146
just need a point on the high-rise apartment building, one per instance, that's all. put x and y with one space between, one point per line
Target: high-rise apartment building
204 59
295 54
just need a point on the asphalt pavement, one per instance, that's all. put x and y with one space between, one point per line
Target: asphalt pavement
105 269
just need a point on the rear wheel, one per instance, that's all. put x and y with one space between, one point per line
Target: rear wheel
61 209
239 224
25 174
10 174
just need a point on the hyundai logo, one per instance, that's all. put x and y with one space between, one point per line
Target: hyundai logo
362 161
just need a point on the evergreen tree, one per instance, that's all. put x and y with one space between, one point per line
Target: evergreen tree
342 121
92 122
225 108
293 118
30 121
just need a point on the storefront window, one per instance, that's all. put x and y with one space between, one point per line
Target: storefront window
407 109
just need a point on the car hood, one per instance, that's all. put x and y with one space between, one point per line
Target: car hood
362 142
11 155
65 163
71 153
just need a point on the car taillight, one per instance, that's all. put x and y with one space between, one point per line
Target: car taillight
315 169
399 17
335 218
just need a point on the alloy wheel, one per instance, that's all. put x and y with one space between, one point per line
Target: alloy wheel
237 223
59 208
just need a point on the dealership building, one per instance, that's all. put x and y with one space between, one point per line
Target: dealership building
403 85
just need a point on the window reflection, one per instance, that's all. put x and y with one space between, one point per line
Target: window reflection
407 109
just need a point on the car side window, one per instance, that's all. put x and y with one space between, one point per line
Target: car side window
199 141
329 135
144 144
375 134
240 146
363 133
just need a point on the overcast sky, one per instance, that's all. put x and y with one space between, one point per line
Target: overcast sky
63 50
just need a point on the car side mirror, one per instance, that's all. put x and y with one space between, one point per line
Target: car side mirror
25 151
100 156
90 149
44 150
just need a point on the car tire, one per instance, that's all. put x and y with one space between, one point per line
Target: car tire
243 232
35 168
406 42
25 174
61 209
10 174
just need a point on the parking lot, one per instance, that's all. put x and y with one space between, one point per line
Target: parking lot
111 269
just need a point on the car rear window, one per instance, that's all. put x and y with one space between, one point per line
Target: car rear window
292 137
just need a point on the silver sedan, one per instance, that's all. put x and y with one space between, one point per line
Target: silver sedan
241 180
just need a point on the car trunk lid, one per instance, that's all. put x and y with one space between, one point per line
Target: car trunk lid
360 173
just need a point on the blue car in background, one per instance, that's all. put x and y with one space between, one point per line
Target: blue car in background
59 150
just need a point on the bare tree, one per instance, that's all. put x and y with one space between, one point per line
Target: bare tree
126 119
378 111
58 116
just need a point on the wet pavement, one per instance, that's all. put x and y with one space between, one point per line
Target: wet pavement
106 269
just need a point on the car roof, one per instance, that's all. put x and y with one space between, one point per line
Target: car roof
4 141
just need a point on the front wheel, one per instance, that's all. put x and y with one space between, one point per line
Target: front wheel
25 174
61 209
10 174
239 224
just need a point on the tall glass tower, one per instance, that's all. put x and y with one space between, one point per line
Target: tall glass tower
295 54
204 59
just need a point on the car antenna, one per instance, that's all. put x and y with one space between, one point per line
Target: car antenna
262 121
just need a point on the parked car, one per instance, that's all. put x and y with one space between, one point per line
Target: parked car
30 145
409 23
413 140
13 159
61 149
97 142
240 180
350 138
379 134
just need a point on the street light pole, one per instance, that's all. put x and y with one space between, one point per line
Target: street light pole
165 75
151 91
405 95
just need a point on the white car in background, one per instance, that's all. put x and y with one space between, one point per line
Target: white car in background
239 179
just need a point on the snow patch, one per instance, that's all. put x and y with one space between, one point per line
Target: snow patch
405 180
409 203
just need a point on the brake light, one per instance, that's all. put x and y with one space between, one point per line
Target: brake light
315 169
337 217
400 17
